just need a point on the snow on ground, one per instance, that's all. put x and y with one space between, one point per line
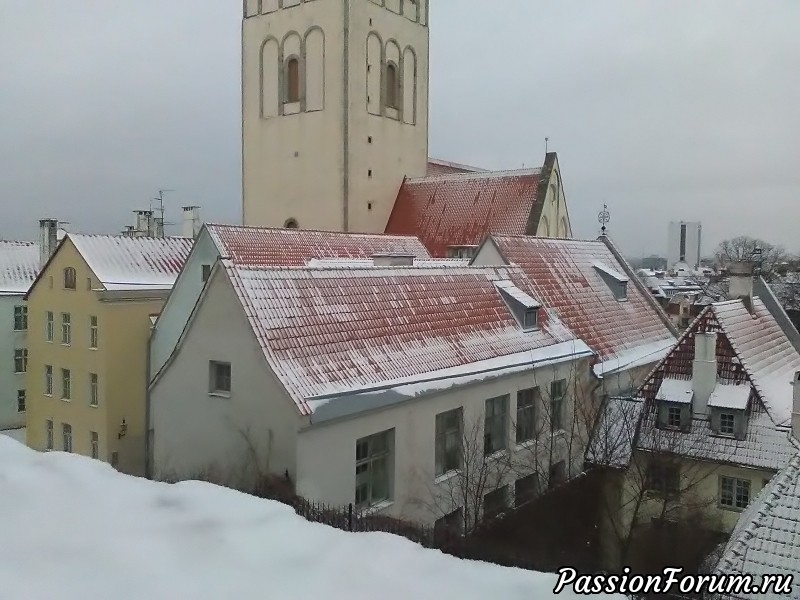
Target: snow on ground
73 528
15 434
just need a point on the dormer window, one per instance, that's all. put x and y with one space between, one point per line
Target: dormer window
727 423
522 305
674 417
616 281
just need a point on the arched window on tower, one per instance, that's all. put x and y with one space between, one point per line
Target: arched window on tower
293 80
392 86
291 224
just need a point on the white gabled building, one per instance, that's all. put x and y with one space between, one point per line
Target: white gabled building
361 383
19 264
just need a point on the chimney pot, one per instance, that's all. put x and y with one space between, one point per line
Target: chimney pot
704 369
48 239
740 284
191 221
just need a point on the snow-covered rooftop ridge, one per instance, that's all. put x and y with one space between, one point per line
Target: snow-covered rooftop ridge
476 175
675 390
368 263
764 540
734 396
131 263
455 165
613 273
122 537
19 265
636 356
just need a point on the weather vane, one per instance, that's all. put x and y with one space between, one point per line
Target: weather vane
604 218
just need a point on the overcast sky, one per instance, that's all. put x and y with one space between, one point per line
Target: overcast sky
665 110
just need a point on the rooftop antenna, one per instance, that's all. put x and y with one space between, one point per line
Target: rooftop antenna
604 218
546 143
158 209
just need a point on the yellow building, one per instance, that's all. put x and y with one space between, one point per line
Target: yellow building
89 319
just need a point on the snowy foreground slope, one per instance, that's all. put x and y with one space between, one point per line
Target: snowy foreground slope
73 528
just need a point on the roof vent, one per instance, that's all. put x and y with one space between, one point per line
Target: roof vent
393 260
615 280
523 306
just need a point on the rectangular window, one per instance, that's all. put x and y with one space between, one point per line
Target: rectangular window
20 318
558 390
20 400
373 456
66 329
674 417
49 327
206 272
495 435
219 377
663 479
92 332
69 278
94 440
48 380
67 432
495 503
20 360
527 401
531 319
727 423
526 489
49 434
66 384
94 393
448 441
734 492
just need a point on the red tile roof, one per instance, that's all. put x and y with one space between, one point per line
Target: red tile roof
565 276
462 209
295 247
443 167
336 330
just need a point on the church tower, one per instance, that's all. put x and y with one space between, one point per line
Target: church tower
334 110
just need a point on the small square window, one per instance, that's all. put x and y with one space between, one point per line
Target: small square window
674 417
531 319
220 377
727 423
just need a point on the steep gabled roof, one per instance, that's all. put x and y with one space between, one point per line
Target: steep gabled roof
462 209
443 167
765 540
19 264
338 330
564 275
295 247
133 263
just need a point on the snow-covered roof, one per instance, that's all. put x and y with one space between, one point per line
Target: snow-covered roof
337 331
19 265
635 357
766 539
517 294
267 246
133 263
735 396
611 442
564 278
675 390
613 273
115 536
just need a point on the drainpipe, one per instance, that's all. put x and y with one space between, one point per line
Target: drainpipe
148 438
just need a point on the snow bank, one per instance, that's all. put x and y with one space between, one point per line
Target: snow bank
73 528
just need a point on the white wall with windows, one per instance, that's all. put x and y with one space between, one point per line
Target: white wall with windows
405 460
13 365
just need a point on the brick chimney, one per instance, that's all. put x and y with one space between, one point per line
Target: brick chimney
740 284
796 406
48 239
704 370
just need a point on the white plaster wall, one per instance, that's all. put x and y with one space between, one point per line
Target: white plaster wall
196 433
181 301
326 452
10 382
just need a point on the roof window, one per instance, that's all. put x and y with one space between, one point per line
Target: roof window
522 305
616 281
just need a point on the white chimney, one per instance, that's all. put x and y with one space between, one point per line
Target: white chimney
796 406
740 284
48 239
143 218
393 260
704 370
191 221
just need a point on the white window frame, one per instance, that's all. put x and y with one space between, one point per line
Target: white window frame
449 438
671 411
20 317
723 428
66 384
49 326
94 390
20 360
93 332
376 463
737 489
66 329
495 425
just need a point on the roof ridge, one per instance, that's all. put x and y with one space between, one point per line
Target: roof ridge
300 231
476 175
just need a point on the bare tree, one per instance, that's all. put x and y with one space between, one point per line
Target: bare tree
768 257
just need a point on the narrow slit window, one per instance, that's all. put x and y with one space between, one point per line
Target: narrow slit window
292 80
392 86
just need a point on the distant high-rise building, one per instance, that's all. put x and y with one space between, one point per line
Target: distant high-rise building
684 243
